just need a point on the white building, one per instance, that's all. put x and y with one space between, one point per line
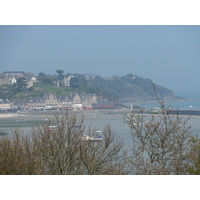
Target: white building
31 82
5 105
67 81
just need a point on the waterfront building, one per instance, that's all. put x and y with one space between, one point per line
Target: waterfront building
73 101
5 105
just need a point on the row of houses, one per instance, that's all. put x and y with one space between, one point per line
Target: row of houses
51 101
10 77
73 101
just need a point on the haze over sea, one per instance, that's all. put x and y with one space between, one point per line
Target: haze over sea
181 105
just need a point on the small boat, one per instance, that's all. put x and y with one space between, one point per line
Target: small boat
93 139
52 128
99 132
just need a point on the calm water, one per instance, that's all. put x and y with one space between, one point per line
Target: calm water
182 105
94 119
98 120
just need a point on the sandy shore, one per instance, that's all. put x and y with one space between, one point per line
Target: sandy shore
8 115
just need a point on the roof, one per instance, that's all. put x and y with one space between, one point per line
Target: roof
36 100
83 95
9 72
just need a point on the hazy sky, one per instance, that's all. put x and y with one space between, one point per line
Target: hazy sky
168 55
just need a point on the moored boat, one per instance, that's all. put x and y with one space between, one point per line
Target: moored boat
52 128
89 138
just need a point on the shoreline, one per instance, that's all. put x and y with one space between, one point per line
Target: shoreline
10 115
49 114
136 102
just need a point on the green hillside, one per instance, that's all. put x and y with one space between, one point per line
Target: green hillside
129 86
114 88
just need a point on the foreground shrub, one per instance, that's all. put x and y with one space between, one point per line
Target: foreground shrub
162 143
62 151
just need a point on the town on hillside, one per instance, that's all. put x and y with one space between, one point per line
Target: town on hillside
48 101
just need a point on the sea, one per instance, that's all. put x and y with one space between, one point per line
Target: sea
98 119
193 104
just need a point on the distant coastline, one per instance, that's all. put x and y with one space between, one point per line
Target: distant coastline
166 99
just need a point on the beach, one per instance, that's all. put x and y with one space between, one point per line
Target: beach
10 115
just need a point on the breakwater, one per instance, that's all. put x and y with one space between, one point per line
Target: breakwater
173 112
186 112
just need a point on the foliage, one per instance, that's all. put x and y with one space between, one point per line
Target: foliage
128 86
44 79
61 151
194 168
60 74
21 84
162 144
113 89
8 91
74 82
41 74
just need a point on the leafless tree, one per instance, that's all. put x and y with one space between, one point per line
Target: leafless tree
17 155
62 151
162 144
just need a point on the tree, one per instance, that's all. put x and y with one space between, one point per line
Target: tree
21 84
60 74
74 82
44 79
62 151
47 80
194 168
162 144
41 74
